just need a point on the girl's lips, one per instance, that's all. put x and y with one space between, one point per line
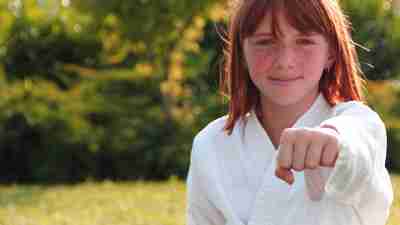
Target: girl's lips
283 82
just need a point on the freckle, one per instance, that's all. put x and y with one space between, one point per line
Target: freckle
261 62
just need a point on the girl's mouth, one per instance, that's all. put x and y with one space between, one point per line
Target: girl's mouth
284 81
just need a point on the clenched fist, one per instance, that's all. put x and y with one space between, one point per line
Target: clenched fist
306 148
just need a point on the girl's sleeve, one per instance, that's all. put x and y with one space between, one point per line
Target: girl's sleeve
359 177
360 167
200 210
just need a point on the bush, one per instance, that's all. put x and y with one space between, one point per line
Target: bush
43 134
376 27
384 98
41 49
138 140
111 128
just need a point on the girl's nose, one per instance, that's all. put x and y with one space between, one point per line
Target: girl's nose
285 58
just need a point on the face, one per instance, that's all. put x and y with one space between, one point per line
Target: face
286 70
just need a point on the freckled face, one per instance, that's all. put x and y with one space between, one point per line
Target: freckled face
286 70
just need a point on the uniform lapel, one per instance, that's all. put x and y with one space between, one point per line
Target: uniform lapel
273 194
227 159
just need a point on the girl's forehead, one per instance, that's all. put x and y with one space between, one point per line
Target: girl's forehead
280 25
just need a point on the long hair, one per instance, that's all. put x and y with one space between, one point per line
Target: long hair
341 82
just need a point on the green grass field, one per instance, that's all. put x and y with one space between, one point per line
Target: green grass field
108 203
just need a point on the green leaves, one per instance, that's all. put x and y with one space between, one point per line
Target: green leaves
376 27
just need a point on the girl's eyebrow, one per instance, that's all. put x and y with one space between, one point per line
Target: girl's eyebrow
309 34
302 34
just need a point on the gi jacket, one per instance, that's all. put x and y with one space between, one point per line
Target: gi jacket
356 191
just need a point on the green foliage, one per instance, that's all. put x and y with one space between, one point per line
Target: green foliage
390 113
37 49
376 27
153 22
109 127
42 131
137 138
118 89
134 128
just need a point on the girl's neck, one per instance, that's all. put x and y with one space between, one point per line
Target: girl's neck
275 118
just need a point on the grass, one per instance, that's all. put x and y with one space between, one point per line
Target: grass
108 203
394 218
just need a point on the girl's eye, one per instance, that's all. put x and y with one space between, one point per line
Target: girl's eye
264 42
305 42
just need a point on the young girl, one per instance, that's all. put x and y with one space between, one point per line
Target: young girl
298 146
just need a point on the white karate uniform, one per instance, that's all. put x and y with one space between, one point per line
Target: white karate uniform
231 177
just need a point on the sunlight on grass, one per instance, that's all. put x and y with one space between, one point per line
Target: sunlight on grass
108 203
94 203
394 218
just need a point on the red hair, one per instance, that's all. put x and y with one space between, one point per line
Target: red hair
342 82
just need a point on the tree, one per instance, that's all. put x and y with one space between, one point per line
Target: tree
159 36
376 27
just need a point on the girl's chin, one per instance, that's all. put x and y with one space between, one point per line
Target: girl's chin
288 100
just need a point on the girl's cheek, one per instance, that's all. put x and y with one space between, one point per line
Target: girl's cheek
260 62
312 61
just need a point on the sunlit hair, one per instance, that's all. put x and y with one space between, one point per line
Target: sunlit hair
342 82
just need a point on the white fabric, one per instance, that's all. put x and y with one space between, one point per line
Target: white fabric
231 178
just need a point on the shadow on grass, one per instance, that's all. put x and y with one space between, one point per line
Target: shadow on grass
20 195
394 171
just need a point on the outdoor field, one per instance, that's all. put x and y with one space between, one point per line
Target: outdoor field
108 203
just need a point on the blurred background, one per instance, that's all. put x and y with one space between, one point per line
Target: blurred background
100 101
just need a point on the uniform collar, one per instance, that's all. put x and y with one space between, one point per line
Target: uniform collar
319 108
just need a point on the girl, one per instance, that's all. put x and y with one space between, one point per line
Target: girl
298 146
